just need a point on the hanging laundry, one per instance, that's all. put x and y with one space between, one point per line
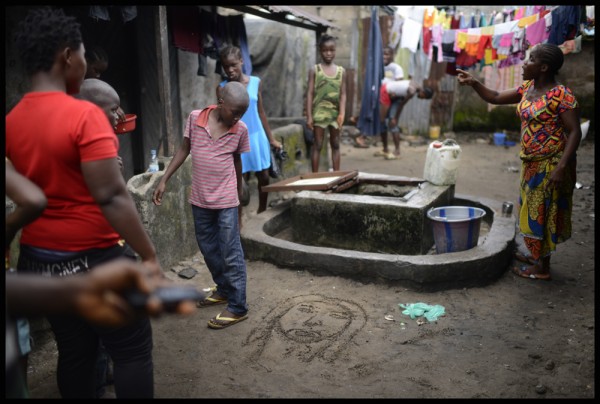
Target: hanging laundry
565 22
185 28
368 120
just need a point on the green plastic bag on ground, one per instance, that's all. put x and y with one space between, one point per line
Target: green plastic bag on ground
431 313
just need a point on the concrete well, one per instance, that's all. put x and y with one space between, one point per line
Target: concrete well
263 238
367 218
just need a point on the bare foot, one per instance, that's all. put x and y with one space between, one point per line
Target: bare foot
531 272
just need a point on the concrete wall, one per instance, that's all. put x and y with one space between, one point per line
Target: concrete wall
281 57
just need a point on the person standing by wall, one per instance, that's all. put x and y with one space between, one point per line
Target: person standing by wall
97 63
326 103
550 136
103 95
258 159
391 72
67 147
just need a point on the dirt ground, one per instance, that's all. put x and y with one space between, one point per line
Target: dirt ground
311 336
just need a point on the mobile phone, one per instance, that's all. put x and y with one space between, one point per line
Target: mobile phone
170 296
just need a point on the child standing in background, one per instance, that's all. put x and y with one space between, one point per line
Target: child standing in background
97 63
326 103
258 159
103 95
392 72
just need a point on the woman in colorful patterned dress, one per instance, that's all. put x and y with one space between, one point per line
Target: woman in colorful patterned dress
326 103
550 136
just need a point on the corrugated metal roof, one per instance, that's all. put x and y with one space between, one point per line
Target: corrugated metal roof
300 13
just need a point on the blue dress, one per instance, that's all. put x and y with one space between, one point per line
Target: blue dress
259 156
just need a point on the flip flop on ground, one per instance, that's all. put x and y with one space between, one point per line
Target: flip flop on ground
219 322
211 301
524 271
380 153
391 156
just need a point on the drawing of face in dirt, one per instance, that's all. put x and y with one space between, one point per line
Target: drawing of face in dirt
307 327
315 321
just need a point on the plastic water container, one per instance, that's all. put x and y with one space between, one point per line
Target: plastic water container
499 138
455 228
441 162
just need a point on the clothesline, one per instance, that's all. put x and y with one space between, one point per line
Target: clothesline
446 37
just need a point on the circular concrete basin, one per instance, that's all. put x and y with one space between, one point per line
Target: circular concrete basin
477 266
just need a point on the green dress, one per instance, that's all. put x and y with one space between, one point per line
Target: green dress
326 104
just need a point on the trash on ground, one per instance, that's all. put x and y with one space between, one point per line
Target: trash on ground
430 312
389 317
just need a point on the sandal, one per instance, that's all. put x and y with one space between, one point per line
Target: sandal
210 301
524 271
379 153
219 322
391 156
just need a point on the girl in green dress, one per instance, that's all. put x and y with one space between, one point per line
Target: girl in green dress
326 103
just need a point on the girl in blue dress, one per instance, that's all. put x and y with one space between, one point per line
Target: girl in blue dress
258 159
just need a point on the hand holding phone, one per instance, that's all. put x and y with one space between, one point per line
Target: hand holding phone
170 296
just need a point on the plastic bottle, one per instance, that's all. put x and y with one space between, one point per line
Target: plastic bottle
153 162
441 162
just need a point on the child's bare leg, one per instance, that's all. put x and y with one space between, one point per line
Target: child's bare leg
396 137
383 112
384 141
240 207
315 152
334 143
263 180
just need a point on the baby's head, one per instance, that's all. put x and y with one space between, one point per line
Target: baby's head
233 102
103 95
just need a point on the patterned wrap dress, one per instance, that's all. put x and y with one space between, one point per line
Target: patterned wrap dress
545 216
326 102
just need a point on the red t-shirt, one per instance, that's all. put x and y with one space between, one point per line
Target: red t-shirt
214 180
48 136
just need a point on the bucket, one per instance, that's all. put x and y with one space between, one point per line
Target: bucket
128 125
434 132
455 228
499 139
441 162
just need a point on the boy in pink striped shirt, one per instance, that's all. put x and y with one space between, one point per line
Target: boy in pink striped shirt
215 137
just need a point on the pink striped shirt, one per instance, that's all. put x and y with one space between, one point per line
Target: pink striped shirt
214 181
